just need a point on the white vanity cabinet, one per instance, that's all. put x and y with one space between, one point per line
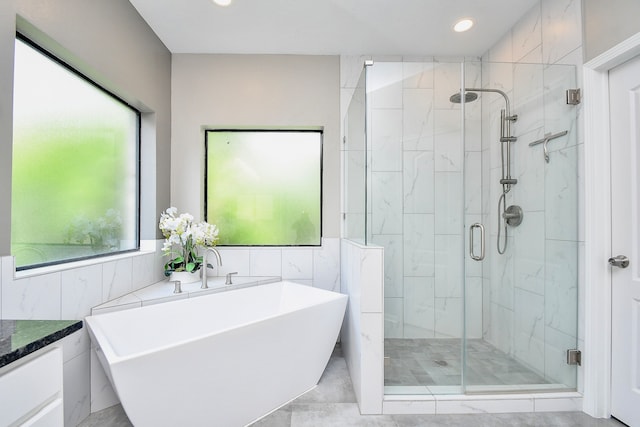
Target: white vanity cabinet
31 390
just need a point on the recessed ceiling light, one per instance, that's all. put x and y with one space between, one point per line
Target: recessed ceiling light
222 2
463 25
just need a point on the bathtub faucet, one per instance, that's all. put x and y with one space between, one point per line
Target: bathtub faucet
204 264
228 280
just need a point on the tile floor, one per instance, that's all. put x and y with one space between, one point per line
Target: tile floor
428 362
333 404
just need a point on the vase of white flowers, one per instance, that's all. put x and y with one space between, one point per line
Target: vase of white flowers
183 238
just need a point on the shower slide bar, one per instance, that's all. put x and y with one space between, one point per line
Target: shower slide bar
548 137
513 214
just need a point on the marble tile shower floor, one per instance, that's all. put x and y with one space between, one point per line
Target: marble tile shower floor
333 404
437 362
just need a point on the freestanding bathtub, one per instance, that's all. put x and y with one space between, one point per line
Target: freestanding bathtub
224 359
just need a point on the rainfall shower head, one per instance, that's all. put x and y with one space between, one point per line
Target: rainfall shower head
468 97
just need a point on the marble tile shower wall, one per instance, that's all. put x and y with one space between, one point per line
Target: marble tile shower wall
70 294
524 307
532 311
416 204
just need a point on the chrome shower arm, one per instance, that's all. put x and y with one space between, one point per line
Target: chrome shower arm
504 95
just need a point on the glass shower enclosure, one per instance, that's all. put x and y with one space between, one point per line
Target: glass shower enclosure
467 175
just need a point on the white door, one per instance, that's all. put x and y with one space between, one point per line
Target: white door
624 84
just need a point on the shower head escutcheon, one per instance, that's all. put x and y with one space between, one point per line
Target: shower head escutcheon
456 98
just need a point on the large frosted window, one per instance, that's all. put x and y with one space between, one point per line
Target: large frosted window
264 187
75 156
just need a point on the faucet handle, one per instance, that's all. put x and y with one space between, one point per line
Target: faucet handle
228 279
177 287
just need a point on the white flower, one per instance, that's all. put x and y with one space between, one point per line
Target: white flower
205 234
183 236
186 217
166 247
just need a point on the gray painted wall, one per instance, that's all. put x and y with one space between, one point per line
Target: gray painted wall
110 42
7 34
607 23
253 91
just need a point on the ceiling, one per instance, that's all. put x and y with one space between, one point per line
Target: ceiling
331 27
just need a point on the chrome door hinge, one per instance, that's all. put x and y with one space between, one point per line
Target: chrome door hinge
574 97
574 357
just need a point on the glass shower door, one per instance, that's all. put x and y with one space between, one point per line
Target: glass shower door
416 212
521 300
433 167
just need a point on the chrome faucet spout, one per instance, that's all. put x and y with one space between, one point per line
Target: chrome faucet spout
204 264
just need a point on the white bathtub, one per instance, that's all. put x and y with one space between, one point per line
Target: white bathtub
223 359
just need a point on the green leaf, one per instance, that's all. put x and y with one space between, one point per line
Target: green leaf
191 266
168 269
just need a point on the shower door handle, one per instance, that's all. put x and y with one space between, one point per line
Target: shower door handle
471 245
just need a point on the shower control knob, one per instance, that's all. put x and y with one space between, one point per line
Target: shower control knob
513 215
619 261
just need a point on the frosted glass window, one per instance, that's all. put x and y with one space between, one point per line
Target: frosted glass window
75 156
263 188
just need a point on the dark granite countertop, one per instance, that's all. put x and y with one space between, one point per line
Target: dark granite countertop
21 337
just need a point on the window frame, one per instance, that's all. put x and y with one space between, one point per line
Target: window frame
138 150
319 131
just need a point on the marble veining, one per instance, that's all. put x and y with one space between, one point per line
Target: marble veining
417 119
527 34
418 182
